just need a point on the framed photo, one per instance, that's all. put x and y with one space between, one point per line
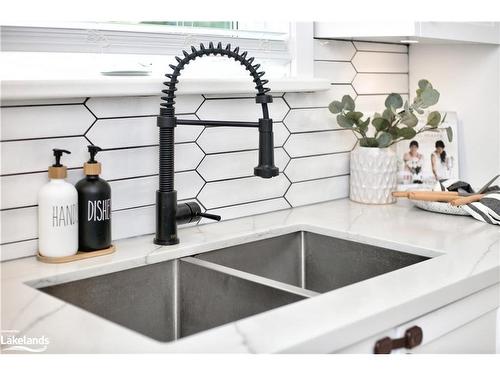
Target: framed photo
428 157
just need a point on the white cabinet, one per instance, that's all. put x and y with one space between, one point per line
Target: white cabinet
468 325
394 32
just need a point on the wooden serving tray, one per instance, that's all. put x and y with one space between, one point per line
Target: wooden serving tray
78 256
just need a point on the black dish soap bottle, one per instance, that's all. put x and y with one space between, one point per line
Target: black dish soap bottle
94 202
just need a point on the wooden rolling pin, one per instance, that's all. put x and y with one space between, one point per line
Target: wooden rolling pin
466 200
405 194
433 196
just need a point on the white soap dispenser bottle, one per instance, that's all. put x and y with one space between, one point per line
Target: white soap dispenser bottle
58 213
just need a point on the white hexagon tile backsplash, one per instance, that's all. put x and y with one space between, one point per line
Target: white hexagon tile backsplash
213 165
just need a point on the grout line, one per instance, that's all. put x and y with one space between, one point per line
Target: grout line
34 172
287 154
129 147
244 203
88 140
231 178
14 242
41 105
199 191
18 208
354 89
315 155
137 177
203 158
287 201
287 164
202 178
140 116
236 151
88 109
355 48
41 138
90 127
231 152
133 177
286 102
321 178
290 184
144 146
150 205
319 131
133 207
199 106
356 70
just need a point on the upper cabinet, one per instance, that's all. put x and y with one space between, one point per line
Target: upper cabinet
404 31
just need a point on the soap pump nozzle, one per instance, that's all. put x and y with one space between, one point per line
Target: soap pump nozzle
57 170
57 154
92 167
93 150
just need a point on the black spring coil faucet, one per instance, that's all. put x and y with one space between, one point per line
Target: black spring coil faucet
168 212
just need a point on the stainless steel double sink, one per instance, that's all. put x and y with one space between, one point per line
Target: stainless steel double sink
178 298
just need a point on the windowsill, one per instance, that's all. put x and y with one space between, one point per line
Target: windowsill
26 89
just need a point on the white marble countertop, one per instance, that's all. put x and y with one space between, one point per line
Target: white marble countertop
465 260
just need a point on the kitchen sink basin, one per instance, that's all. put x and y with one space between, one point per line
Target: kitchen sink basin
177 298
312 261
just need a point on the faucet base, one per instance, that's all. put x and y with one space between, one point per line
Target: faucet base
266 171
166 243
166 212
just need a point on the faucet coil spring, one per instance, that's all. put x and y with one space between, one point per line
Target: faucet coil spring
169 98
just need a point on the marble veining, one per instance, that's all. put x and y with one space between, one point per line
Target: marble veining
465 260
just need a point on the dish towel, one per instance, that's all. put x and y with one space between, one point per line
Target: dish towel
486 210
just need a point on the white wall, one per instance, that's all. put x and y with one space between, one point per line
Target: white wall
468 78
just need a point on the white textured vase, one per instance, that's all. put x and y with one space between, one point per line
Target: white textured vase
373 175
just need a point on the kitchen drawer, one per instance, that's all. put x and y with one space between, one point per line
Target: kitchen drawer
465 326
476 337
442 322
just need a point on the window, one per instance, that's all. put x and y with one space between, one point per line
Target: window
116 46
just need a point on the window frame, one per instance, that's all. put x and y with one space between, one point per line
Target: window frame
110 38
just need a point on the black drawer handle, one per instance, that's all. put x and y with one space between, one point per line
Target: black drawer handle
412 338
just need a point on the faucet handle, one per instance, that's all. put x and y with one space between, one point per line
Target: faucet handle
190 212
210 216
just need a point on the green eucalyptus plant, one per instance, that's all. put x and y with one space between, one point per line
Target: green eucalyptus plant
397 122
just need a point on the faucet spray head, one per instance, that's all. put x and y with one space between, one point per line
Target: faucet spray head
266 167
